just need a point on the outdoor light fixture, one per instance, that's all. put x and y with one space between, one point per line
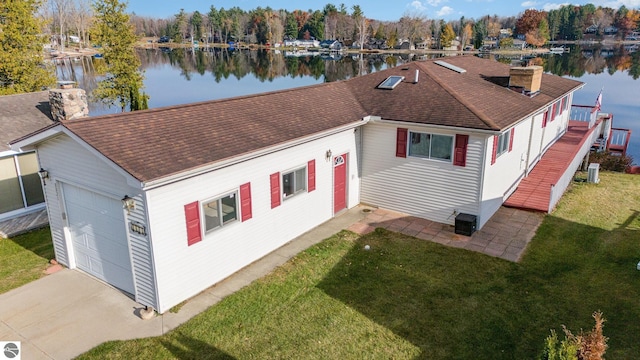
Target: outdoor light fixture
44 174
128 203
328 154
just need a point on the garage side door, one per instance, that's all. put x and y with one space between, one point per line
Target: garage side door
97 228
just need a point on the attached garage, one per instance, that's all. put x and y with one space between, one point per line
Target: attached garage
97 234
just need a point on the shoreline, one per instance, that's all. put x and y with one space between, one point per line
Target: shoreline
151 44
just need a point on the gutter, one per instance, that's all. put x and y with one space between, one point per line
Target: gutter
250 156
444 127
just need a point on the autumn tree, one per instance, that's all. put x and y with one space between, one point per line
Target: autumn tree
467 33
627 20
447 35
123 81
21 42
529 21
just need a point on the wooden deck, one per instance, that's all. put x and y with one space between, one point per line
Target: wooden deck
534 191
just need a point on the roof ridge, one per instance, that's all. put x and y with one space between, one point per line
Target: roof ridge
484 118
197 103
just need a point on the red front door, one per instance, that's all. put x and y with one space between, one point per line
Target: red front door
339 183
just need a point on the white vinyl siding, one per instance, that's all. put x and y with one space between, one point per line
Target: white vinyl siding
428 189
502 177
184 271
69 162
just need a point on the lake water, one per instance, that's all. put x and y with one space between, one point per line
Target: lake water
183 76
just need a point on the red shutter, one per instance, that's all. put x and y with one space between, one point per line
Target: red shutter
401 143
495 150
553 111
545 118
192 216
275 190
563 106
513 130
245 201
311 173
460 152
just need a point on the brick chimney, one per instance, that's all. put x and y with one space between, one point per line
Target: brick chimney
68 103
528 78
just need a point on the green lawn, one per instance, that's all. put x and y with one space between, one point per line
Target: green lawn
24 258
407 298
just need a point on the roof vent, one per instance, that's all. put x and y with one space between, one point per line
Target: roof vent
391 82
450 67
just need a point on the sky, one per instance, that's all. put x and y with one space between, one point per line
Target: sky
384 10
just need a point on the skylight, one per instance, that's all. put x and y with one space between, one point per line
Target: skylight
451 67
391 82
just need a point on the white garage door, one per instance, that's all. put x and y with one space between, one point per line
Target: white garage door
97 228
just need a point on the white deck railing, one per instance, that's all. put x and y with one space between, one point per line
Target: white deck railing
558 189
584 113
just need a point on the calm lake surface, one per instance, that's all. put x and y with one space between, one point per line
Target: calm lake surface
183 76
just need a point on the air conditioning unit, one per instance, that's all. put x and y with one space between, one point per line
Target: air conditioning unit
593 175
465 224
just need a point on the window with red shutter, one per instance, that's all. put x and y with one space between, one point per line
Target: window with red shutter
494 155
460 152
401 143
311 173
553 111
545 118
245 201
511 139
275 190
192 217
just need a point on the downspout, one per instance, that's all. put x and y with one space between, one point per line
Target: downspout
482 176
533 121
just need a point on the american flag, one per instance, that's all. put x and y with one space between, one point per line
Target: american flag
599 101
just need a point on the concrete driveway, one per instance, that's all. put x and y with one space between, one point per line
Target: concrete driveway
67 313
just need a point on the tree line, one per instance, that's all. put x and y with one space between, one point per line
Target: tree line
351 26
348 25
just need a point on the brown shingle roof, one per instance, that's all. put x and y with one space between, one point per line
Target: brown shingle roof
445 97
157 143
166 141
23 114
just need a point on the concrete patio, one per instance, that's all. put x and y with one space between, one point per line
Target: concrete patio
505 236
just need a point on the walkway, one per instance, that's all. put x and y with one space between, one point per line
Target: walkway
21 224
534 191
506 235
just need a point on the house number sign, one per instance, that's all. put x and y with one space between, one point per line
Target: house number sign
137 228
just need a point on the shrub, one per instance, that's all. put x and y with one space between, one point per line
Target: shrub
611 162
589 346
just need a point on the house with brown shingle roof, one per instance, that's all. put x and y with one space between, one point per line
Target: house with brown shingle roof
167 202
20 189
20 115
